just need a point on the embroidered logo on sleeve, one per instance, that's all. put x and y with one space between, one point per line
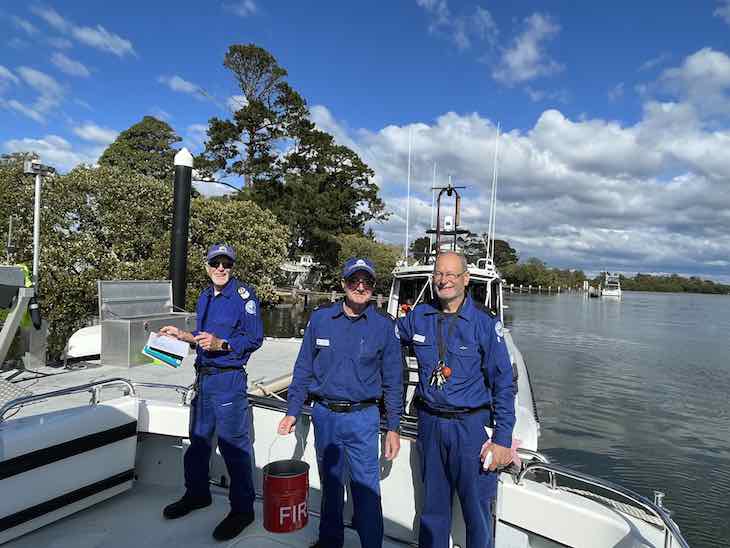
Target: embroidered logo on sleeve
251 307
499 330
323 342
419 338
397 333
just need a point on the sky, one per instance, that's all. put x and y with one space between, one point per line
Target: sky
614 117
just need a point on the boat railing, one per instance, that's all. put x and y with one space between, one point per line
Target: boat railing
649 509
185 391
94 387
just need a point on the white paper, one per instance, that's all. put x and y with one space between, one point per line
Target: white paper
169 345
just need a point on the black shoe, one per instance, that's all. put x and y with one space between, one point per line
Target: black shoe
232 525
184 506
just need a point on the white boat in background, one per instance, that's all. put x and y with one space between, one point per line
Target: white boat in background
612 286
91 449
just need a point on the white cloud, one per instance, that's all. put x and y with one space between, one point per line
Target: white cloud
160 114
654 61
24 25
7 76
703 79
576 192
526 58
723 11
242 8
196 136
236 102
50 94
616 92
70 66
97 37
176 83
40 81
60 43
53 150
96 134
25 110
461 29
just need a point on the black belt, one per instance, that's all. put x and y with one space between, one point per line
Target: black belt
451 413
202 371
345 406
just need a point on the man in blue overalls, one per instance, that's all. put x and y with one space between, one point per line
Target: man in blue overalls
349 359
464 386
229 330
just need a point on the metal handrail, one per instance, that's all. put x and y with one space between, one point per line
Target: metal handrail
670 528
93 387
184 390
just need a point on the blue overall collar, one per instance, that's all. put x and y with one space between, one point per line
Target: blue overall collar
466 310
340 311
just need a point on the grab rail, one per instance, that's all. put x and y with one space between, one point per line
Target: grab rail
184 390
670 528
93 387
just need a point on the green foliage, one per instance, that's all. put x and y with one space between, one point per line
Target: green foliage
383 256
534 272
670 284
313 185
144 148
109 223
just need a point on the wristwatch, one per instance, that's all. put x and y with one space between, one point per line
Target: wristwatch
225 347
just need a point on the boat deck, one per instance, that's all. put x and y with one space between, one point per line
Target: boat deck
273 361
135 519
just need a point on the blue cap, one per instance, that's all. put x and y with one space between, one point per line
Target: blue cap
217 250
354 264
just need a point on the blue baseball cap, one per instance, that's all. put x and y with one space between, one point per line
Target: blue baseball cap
217 250
355 264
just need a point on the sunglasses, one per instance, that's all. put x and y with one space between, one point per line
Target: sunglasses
354 283
215 263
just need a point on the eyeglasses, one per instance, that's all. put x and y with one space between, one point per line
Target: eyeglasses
215 263
354 283
449 276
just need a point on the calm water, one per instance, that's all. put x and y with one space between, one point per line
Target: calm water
635 391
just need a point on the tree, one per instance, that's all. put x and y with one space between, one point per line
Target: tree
420 246
144 148
268 108
95 227
383 256
316 187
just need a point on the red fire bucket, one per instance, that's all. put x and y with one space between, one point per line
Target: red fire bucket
286 494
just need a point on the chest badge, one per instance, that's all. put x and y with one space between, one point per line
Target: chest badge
419 338
243 292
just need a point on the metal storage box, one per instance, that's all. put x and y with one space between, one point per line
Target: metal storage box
129 310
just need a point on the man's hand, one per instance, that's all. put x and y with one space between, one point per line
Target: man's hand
392 445
208 341
501 456
172 331
286 425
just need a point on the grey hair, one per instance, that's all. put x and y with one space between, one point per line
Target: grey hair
462 259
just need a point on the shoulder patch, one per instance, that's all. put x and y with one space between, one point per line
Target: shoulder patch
244 293
499 329
251 307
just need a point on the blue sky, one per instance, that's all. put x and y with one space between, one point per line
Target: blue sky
615 115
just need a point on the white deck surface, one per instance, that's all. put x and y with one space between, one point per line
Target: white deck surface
273 360
134 520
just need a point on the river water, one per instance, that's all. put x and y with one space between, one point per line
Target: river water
635 391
